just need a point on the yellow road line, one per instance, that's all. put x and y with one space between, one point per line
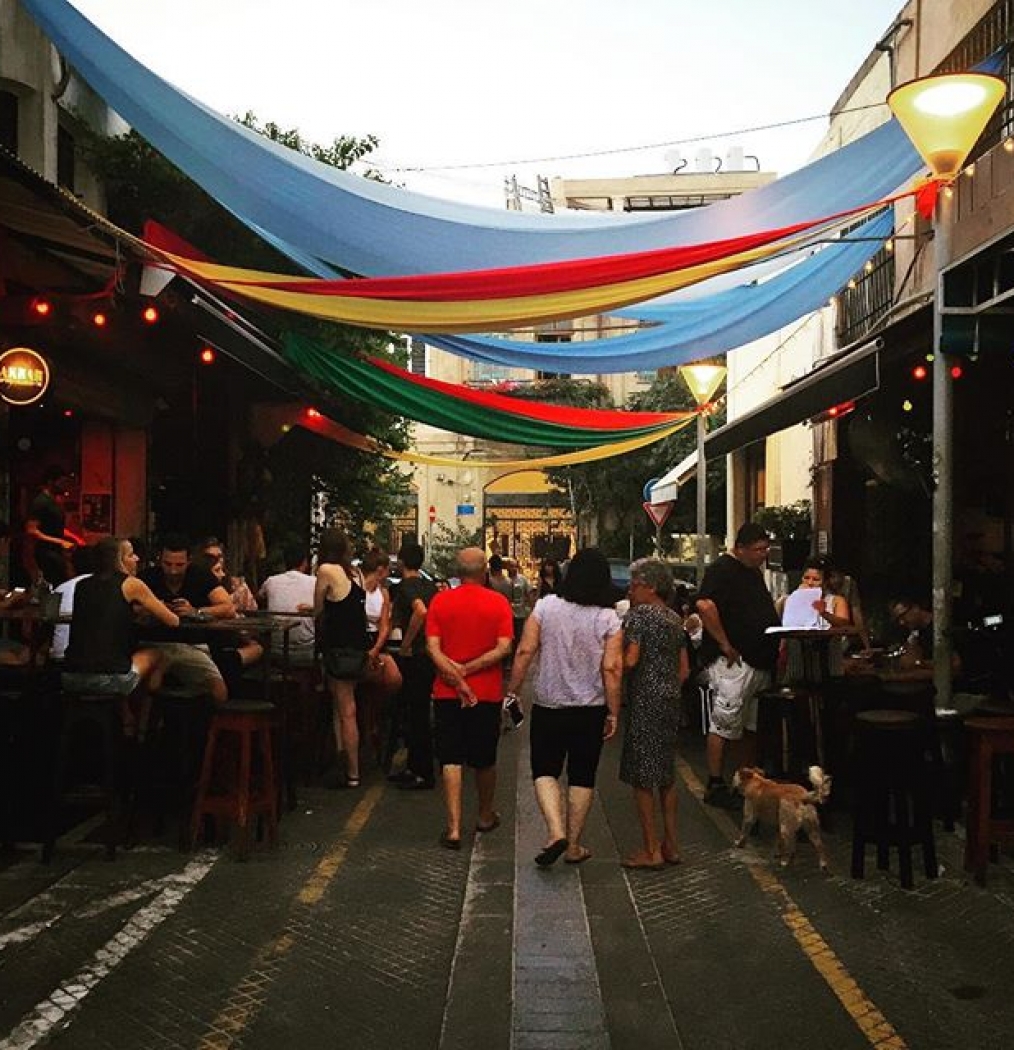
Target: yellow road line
248 996
871 1022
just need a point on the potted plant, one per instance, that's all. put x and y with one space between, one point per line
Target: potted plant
792 526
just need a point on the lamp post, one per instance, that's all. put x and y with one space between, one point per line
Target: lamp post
944 117
703 380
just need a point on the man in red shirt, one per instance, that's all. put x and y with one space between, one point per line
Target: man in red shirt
469 631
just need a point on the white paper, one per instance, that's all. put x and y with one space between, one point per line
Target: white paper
799 612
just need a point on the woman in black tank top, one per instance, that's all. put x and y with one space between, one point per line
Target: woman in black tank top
340 607
102 653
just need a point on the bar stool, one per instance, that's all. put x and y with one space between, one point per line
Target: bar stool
245 794
988 738
98 712
785 717
892 795
177 737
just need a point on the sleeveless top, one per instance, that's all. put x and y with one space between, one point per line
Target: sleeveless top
374 608
101 627
344 622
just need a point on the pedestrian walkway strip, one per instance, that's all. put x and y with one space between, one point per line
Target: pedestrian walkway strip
875 1027
557 1000
57 1010
249 995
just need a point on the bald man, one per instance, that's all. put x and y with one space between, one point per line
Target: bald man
469 631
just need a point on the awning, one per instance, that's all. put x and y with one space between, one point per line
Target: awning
667 488
843 377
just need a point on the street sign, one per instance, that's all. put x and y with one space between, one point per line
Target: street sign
432 514
658 512
464 509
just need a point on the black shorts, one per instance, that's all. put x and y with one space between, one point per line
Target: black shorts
567 734
467 736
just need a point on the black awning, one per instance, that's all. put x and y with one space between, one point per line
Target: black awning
844 377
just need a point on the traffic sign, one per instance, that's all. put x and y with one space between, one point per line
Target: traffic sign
432 514
658 512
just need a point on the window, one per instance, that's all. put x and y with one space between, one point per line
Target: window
9 121
417 357
65 159
645 378
484 372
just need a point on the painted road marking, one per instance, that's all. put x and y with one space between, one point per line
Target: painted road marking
871 1022
56 1011
247 998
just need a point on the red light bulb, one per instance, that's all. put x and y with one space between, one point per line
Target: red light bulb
919 372
207 356
42 307
957 371
99 319
150 315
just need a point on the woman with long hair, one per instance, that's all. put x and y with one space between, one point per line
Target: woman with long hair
578 639
549 578
655 659
340 607
383 678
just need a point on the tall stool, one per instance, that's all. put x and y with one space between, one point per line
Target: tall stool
176 741
787 731
99 712
245 794
988 738
892 794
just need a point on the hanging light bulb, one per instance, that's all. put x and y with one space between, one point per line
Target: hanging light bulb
1008 145
889 244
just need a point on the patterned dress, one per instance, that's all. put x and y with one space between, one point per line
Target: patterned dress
653 690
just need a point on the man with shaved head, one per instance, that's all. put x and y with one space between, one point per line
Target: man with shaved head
468 634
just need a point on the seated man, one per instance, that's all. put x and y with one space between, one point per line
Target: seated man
915 617
189 591
290 592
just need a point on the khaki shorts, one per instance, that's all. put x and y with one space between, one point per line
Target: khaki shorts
188 668
734 689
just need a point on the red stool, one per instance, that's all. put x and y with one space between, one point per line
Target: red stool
988 737
246 795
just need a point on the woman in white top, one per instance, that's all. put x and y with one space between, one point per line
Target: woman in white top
383 678
578 639
802 664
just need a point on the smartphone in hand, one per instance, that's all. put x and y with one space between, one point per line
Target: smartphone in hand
512 705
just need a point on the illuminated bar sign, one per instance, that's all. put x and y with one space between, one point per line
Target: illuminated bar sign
24 376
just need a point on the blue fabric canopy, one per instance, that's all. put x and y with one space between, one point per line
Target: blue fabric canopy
324 217
699 328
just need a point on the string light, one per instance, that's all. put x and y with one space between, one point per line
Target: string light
948 192
207 356
970 170
869 266
1008 145
957 371
312 413
99 319
852 282
42 307
906 405
920 372
889 244
150 315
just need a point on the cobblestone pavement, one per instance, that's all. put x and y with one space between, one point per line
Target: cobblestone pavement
360 932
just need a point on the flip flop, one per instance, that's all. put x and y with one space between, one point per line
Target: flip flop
491 826
552 853
448 843
580 858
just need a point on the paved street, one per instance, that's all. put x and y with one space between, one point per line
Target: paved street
360 932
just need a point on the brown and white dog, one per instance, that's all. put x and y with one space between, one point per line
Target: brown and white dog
788 807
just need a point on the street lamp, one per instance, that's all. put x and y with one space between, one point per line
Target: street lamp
944 116
703 381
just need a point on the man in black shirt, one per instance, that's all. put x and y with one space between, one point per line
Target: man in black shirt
738 656
189 591
410 600
45 526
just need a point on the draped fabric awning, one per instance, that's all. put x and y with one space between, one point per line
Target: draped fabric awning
478 414
322 217
699 328
502 298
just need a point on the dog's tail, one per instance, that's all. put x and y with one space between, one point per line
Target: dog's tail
821 782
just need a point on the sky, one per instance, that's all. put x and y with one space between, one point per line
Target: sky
512 88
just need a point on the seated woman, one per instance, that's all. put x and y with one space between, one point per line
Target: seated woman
102 655
802 662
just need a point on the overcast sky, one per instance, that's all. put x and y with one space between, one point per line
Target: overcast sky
516 85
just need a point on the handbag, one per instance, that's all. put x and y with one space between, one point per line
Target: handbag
344 662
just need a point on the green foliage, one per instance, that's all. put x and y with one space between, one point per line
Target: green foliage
610 492
446 542
141 184
793 521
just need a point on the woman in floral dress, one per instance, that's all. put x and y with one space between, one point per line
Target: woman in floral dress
656 664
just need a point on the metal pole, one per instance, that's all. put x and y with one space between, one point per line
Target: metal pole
943 465
702 495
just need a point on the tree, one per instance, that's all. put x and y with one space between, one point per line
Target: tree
447 542
606 496
141 184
